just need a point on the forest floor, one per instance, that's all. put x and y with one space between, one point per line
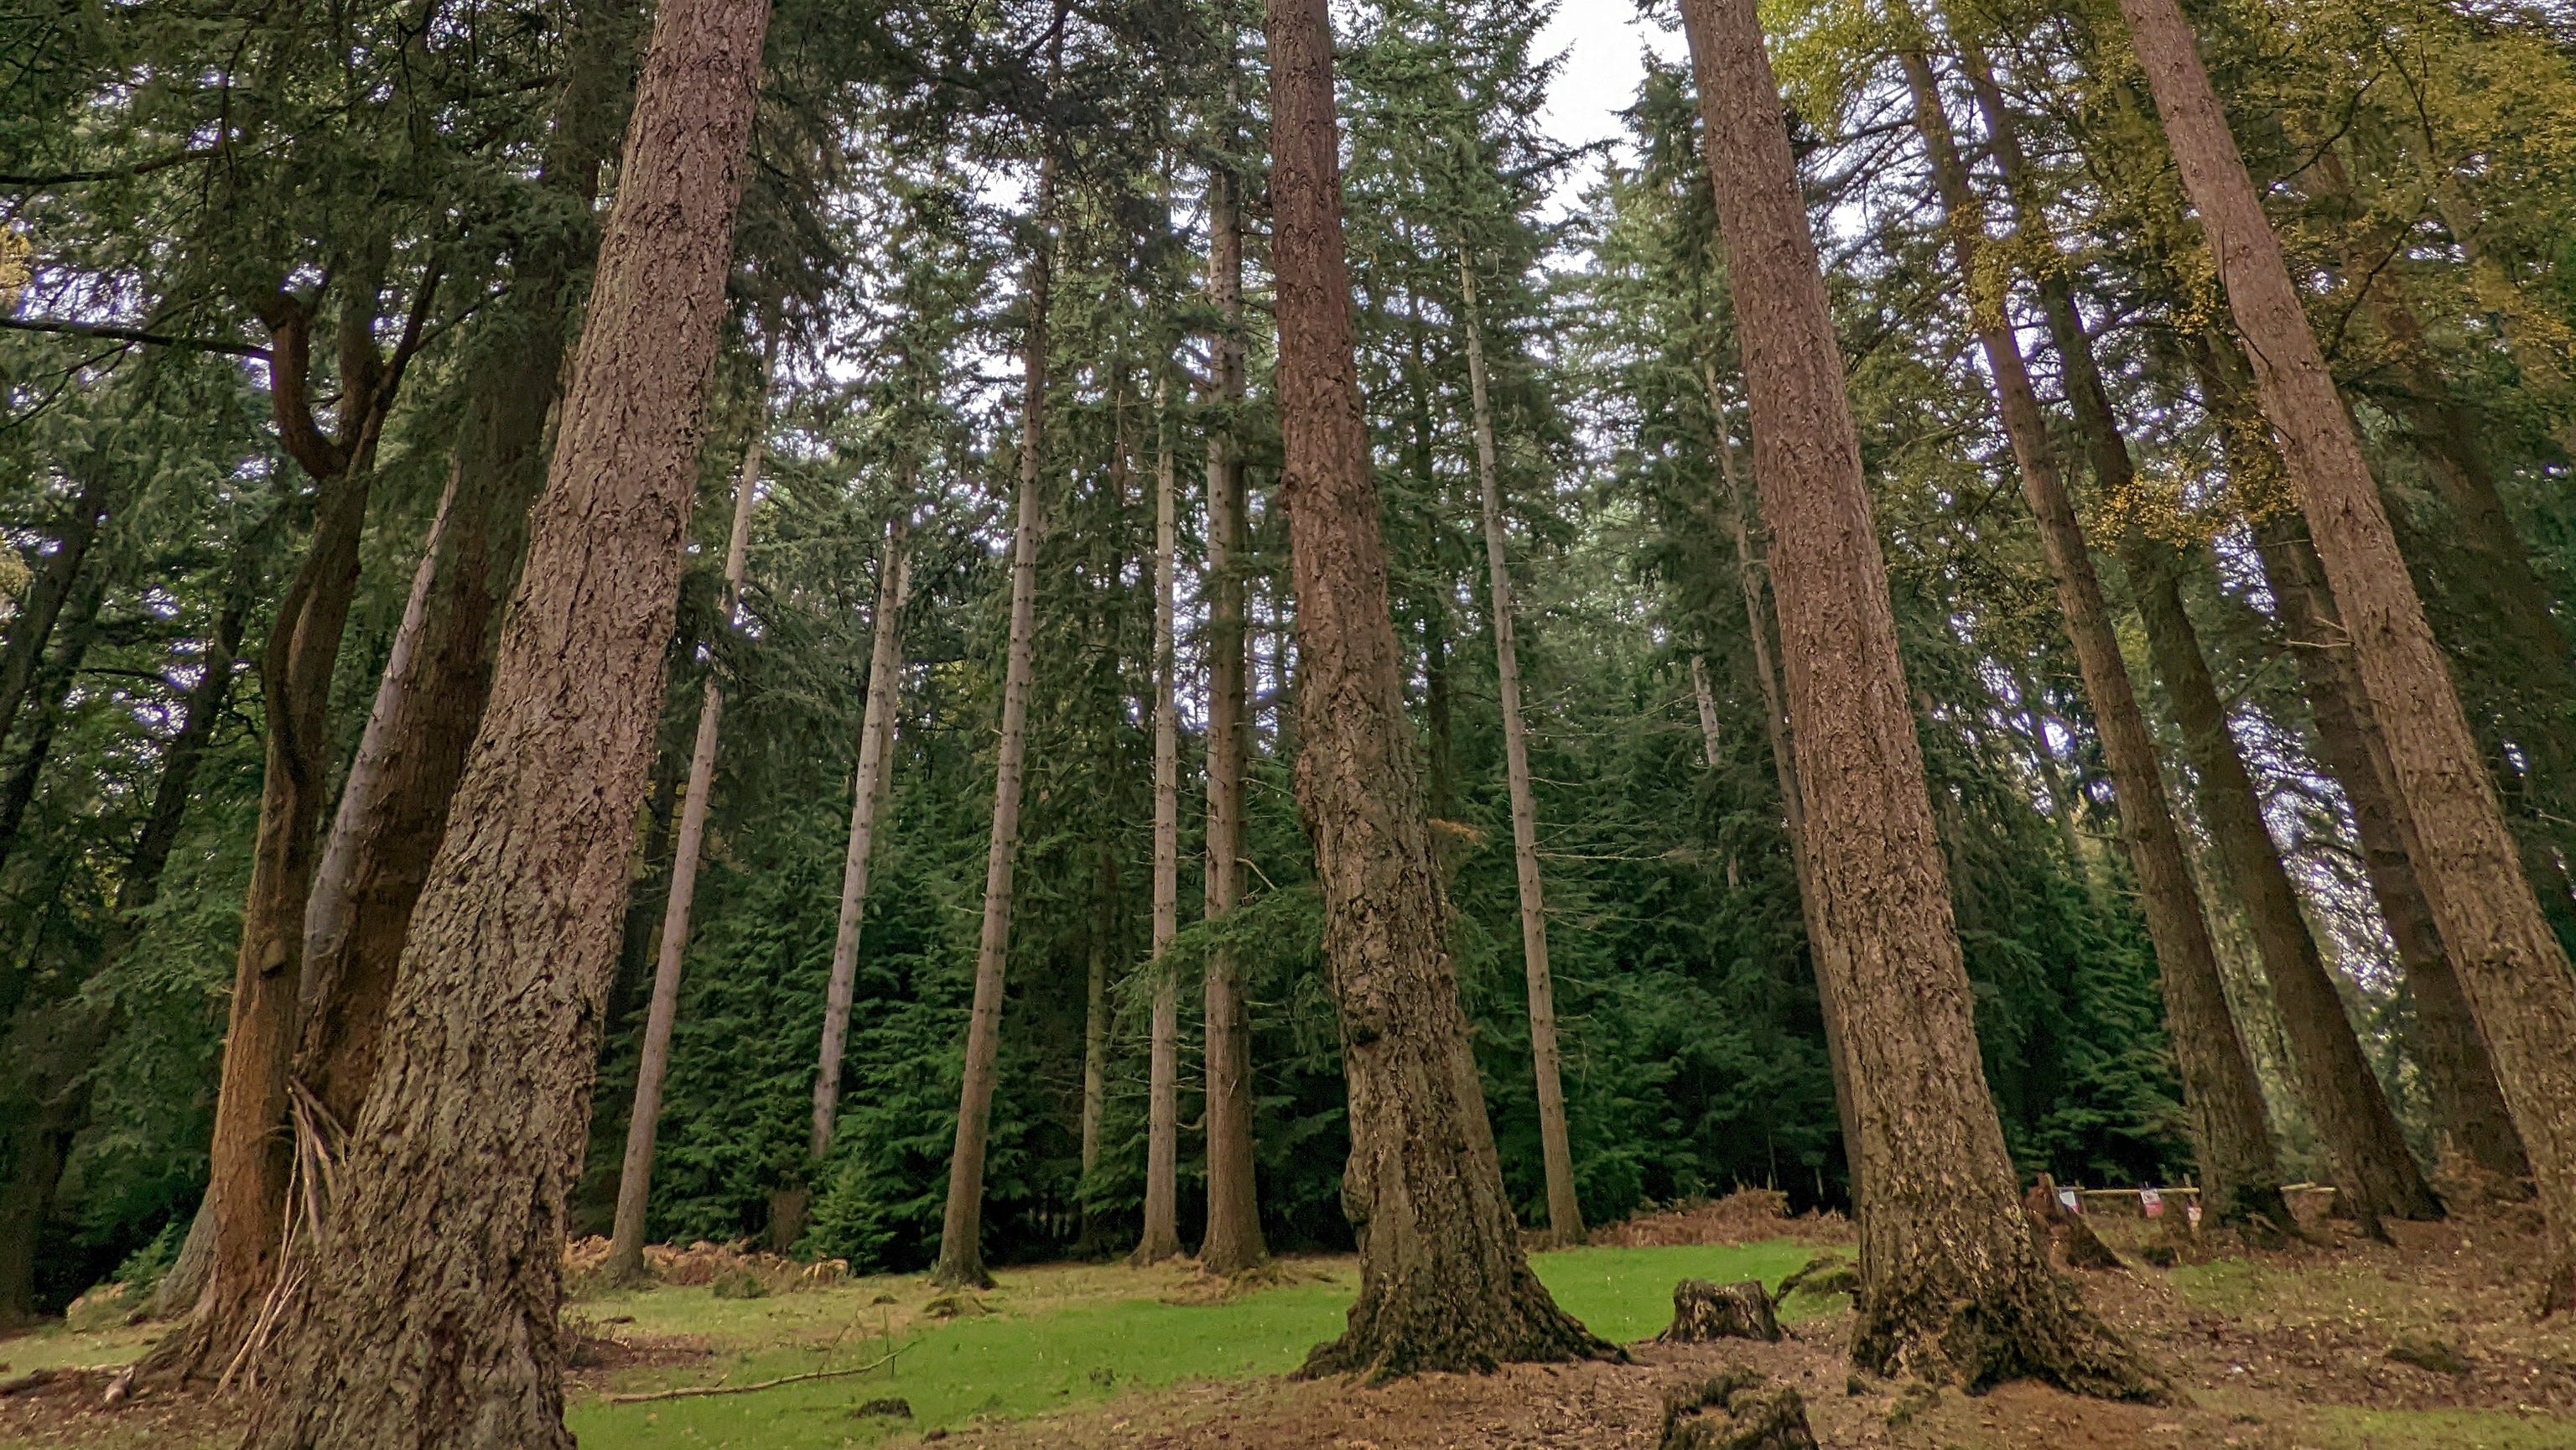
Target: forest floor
2286 1350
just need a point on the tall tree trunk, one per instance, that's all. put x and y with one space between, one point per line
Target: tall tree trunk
961 1235
1162 1238
2445 1041
2517 975
2231 1138
1707 700
867 803
429 700
1953 1286
32 627
635 1173
1233 1240
2375 1174
52 695
1443 1283
1564 1214
482 1103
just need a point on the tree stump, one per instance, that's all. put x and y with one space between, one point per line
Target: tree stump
1703 1311
1735 1411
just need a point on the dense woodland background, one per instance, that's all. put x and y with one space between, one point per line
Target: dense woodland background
381 162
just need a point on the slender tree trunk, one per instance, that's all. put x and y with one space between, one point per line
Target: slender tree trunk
1784 766
482 1105
2445 1041
2376 1175
32 628
1707 709
1443 1283
2231 1138
2516 974
52 695
635 1174
393 807
1564 1213
1953 1286
961 1236
867 801
1162 1239
1233 1242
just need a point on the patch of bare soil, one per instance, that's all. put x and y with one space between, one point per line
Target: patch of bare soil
69 1409
603 1347
1746 1216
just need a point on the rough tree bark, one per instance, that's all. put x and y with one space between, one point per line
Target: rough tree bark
1953 1288
1233 1241
961 1234
2231 1139
867 803
429 700
635 1173
1162 1237
2516 974
2445 1041
252 1155
1564 1213
1443 1283
410 1331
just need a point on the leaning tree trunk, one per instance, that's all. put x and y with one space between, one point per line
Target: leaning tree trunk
1784 765
32 626
635 1173
1707 700
1162 1238
52 695
2231 1139
2516 973
1233 1240
1443 1283
867 803
1564 1214
2444 1040
961 1235
429 700
1953 1286
482 1100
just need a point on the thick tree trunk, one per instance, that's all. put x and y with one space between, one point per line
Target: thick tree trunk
2231 1138
2445 1041
2517 975
1564 1214
1784 759
635 1173
2375 1174
1953 1287
1443 1283
1233 1240
961 1235
429 700
1162 1238
867 803
409 1323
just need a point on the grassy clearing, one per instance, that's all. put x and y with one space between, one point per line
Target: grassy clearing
1055 1337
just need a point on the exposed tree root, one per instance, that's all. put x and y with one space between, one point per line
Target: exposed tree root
1413 1328
2021 1322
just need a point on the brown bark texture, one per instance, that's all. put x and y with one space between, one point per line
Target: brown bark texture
1443 1283
1953 1288
1233 1240
429 700
961 1236
867 804
413 1331
653 1062
2231 1138
2516 974
1564 1213
1162 1236
2444 1040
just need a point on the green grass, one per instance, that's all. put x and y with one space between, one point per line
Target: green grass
1045 1349
2340 1427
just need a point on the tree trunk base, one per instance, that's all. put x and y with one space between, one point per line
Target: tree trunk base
952 1275
1703 1311
1735 1412
1154 1251
2021 1322
1413 1328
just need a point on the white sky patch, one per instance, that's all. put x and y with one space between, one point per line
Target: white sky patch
1604 43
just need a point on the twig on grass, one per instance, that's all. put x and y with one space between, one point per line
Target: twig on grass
699 1391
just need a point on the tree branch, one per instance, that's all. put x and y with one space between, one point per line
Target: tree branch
128 334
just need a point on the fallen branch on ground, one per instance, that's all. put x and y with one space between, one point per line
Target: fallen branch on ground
698 1391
